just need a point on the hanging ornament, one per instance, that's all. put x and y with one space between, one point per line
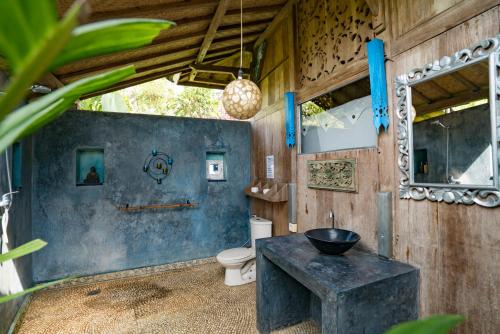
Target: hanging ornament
242 98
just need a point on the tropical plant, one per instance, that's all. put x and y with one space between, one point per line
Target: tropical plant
437 324
34 42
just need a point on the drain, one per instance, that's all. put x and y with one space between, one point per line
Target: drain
94 292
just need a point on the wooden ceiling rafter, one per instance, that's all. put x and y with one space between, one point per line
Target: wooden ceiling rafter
210 35
156 10
137 81
155 53
200 85
225 41
207 32
466 82
456 99
218 69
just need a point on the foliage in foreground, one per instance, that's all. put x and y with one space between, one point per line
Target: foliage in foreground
34 42
437 324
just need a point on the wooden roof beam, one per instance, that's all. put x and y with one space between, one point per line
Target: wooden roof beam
212 30
420 96
154 10
439 88
282 14
210 81
184 70
210 35
455 100
199 84
217 54
218 69
136 81
466 82
149 56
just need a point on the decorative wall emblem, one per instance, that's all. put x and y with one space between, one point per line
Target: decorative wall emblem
158 165
339 175
331 35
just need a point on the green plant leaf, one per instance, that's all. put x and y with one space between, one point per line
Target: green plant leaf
110 36
22 250
438 324
4 299
24 23
29 53
33 116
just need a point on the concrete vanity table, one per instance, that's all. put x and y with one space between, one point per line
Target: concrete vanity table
353 293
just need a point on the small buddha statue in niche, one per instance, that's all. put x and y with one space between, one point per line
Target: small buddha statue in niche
92 177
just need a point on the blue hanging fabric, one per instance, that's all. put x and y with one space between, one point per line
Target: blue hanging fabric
378 83
290 118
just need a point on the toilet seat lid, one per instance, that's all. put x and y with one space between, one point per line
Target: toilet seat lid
232 254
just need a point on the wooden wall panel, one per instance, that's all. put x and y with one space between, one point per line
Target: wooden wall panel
456 247
414 22
331 34
353 211
268 127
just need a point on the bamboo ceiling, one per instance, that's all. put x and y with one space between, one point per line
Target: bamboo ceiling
207 33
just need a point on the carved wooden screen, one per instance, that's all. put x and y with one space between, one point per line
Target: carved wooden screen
331 34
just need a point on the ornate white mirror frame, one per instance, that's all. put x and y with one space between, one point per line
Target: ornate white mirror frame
488 196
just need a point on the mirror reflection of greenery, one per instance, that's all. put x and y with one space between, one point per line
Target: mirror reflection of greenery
310 108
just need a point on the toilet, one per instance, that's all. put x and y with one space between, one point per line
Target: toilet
240 262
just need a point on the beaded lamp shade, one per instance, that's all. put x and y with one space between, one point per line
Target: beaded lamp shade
242 99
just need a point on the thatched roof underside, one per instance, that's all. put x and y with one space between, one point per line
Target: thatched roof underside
201 50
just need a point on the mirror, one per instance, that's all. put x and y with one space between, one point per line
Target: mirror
447 130
452 138
339 119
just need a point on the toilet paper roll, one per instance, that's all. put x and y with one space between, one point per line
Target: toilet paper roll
254 189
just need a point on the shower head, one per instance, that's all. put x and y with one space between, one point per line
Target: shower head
438 123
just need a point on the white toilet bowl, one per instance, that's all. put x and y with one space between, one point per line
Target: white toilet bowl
240 262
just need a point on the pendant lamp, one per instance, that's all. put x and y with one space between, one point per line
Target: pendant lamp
242 98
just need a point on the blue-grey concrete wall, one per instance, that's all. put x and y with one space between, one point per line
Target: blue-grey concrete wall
86 232
19 230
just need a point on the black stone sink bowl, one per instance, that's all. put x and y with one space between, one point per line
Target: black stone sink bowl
332 241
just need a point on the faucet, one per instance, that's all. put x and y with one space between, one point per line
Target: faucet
331 215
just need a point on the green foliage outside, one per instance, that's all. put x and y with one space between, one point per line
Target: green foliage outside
160 97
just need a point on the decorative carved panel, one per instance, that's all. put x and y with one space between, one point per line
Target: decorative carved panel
331 34
339 175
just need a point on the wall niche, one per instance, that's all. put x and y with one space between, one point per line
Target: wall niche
89 166
216 166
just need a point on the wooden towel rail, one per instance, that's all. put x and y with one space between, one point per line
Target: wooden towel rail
128 208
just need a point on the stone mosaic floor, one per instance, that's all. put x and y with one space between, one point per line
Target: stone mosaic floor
188 300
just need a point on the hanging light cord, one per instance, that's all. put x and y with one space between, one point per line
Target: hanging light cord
240 72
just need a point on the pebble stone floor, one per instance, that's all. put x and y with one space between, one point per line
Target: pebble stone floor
189 300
